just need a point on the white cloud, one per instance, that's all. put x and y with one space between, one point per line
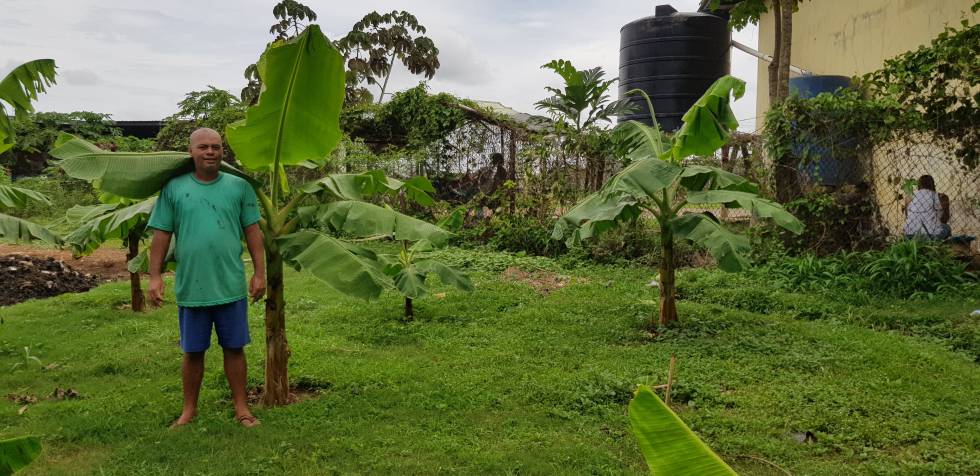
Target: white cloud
137 62
79 77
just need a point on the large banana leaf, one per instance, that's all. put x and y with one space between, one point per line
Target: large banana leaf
759 207
448 275
366 220
135 175
668 445
16 197
116 222
13 229
410 280
363 185
641 140
80 214
349 269
619 200
17 453
595 214
128 174
296 117
729 249
18 88
340 186
710 121
699 177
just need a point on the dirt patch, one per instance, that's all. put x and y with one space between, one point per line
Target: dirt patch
544 282
106 264
27 277
302 389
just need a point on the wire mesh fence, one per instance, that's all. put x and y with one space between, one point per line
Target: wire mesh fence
895 166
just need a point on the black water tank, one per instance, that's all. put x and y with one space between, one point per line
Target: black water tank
674 57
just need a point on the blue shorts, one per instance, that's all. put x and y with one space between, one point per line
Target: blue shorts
230 321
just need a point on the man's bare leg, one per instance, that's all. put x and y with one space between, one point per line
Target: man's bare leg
192 372
236 370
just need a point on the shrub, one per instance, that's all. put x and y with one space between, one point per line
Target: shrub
908 269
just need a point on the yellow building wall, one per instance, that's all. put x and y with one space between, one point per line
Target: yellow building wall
853 37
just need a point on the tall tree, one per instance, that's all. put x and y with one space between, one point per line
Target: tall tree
293 18
744 12
377 41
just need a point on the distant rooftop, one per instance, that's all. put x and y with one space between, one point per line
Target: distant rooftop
520 119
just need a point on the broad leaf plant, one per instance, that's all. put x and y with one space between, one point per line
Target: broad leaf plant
658 183
295 123
18 89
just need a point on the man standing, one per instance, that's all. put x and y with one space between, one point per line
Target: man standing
209 212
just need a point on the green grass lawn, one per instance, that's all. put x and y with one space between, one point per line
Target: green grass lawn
507 381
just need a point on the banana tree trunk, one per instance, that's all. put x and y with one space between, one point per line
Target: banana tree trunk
409 311
137 300
668 304
276 348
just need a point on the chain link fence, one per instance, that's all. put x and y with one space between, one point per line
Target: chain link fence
895 165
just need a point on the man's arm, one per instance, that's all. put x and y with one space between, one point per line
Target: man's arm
256 248
158 254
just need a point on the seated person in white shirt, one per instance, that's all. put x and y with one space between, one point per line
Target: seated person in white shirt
925 212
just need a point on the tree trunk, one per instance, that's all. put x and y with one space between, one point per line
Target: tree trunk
512 171
384 86
137 300
409 312
785 48
668 305
785 174
773 67
276 349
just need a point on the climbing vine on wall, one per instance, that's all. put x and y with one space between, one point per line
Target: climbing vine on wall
932 89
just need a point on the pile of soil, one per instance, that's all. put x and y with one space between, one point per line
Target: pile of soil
106 263
27 277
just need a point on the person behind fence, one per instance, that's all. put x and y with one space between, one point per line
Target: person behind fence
925 211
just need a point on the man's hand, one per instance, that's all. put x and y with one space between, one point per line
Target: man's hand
256 287
156 290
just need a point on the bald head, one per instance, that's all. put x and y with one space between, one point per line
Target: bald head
204 133
206 151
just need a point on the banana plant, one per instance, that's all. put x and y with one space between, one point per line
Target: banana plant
18 89
408 269
658 183
115 218
668 445
295 123
13 229
412 265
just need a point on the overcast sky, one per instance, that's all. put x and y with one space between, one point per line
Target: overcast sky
136 59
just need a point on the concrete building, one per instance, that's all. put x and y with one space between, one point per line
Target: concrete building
854 37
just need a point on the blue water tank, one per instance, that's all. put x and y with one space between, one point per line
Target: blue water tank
821 166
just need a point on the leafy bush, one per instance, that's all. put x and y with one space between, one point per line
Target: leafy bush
64 192
908 269
522 233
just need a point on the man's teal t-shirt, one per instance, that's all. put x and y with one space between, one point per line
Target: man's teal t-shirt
206 219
